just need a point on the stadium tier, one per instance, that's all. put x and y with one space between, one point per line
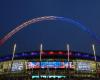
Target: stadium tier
50 65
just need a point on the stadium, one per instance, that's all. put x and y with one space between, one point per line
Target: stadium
50 65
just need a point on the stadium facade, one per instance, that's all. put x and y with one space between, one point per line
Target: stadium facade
50 65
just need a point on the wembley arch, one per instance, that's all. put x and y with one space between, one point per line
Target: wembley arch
50 18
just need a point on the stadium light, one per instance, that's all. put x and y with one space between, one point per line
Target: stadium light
14 51
68 51
68 60
41 50
94 53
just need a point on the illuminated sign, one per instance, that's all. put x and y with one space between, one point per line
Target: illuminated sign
51 76
17 66
33 65
83 66
50 65
86 66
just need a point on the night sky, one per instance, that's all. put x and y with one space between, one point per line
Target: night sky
53 34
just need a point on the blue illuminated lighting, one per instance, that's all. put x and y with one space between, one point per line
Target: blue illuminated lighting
7 57
33 53
51 76
24 54
16 55
85 56
78 54
52 64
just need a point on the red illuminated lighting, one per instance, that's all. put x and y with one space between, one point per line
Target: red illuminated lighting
42 52
69 53
60 52
51 52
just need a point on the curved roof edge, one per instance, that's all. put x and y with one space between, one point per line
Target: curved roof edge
50 53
